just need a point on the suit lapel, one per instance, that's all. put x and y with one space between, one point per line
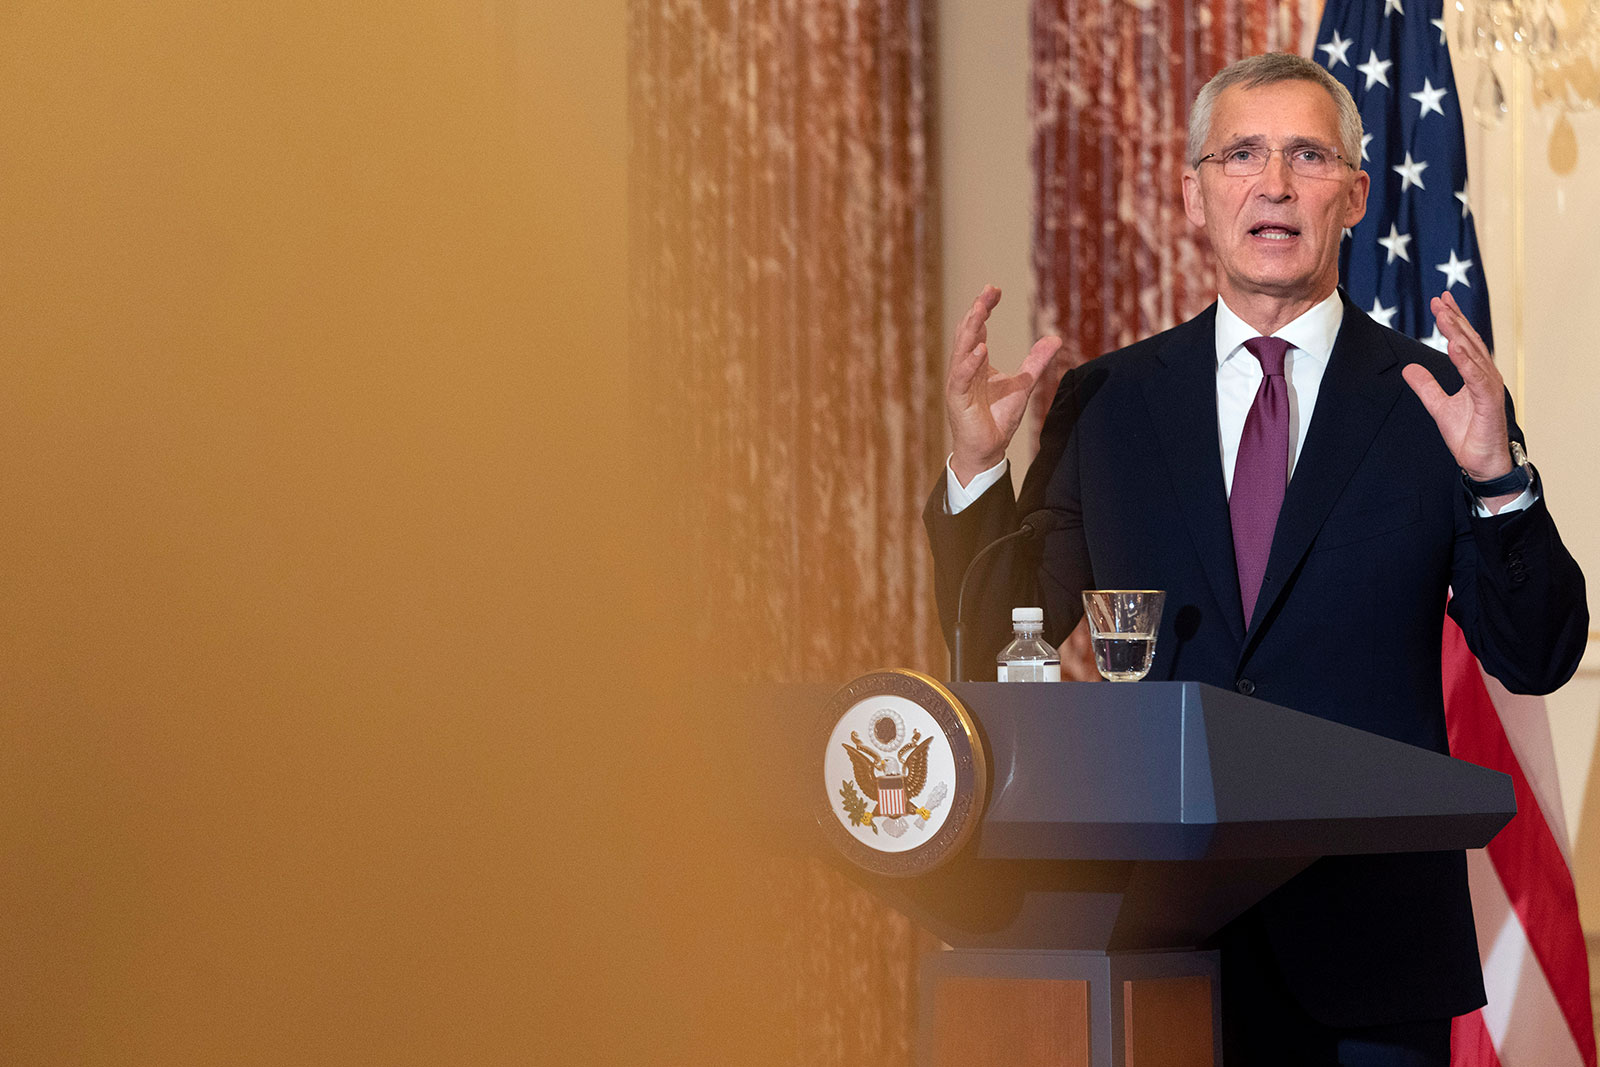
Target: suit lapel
1358 389
1183 409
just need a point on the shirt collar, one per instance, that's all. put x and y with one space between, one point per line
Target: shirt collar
1313 333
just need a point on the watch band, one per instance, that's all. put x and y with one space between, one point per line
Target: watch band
1514 482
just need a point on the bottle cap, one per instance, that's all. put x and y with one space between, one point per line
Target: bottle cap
1033 615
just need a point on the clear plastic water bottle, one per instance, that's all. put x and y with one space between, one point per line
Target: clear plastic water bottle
1028 658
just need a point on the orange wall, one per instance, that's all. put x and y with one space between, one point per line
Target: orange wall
306 319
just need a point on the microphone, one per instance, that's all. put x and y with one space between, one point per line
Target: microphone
1037 524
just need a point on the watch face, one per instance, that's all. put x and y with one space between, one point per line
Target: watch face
1519 457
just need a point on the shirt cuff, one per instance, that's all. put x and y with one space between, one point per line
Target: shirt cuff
1521 503
958 496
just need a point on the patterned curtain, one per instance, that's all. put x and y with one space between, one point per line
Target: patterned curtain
786 378
786 270
1114 257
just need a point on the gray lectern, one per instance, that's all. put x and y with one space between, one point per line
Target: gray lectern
1121 827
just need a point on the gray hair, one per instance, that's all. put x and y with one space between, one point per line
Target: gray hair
1269 69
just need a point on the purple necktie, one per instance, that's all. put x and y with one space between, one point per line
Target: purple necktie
1261 472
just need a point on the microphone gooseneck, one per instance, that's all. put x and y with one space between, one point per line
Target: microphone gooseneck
1037 524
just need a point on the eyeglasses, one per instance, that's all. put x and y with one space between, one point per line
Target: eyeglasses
1306 160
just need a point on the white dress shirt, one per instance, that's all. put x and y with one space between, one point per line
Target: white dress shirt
1239 375
1310 337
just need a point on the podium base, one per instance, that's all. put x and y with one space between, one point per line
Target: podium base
1070 1009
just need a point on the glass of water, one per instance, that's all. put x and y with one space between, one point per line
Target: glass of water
1122 627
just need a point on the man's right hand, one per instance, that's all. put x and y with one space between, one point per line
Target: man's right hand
984 406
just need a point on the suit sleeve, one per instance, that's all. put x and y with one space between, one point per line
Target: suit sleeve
1518 595
1017 574
998 582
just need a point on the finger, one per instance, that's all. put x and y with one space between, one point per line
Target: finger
1467 353
973 325
1455 324
1457 329
1427 389
1039 356
967 369
987 301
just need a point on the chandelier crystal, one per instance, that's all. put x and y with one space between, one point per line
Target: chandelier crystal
1559 40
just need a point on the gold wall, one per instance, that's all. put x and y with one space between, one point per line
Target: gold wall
309 439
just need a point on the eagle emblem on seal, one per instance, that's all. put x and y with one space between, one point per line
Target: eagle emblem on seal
890 773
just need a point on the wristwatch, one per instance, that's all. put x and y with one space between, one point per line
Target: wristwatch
1515 481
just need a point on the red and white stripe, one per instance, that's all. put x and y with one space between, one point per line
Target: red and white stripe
891 797
1535 963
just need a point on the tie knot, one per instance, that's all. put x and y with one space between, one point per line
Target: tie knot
1270 351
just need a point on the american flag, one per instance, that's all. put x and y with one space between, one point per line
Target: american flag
1416 240
1417 237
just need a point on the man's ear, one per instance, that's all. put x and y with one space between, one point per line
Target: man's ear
1356 210
1194 207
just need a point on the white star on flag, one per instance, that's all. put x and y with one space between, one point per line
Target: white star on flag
1410 173
1466 208
1439 23
1391 5
1366 139
1396 243
1376 70
1381 314
1455 270
1429 98
1338 50
1437 340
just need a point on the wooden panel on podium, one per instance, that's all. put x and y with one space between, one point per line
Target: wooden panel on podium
1167 1022
1011 1022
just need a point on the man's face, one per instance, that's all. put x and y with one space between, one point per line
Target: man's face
1275 234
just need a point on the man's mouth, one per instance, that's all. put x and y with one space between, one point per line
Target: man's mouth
1272 231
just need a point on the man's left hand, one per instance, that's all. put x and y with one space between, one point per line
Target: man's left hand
1473 421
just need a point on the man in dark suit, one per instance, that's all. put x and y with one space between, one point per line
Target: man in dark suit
1309 488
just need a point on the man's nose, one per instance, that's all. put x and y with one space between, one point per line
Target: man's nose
1277 179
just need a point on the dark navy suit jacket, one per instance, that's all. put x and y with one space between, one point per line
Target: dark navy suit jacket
1375 532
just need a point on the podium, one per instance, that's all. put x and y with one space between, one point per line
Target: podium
1122 826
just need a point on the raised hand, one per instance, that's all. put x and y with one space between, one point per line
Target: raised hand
1473 420
984 406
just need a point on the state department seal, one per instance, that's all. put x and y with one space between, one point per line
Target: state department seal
904 778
